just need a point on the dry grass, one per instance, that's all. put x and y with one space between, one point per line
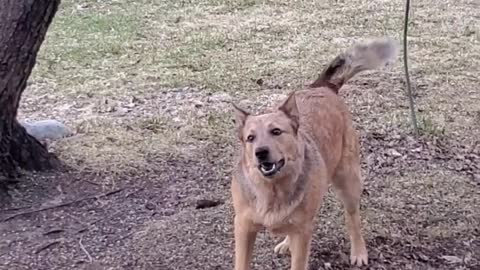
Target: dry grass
146 48
149 81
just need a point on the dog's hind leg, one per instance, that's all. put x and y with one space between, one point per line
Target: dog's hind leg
348 186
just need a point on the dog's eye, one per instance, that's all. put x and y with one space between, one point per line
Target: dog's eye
250 138
276 131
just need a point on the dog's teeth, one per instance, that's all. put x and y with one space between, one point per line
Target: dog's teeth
269 170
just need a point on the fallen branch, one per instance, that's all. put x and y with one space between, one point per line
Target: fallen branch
63 204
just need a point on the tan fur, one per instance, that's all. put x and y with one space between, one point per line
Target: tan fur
319 146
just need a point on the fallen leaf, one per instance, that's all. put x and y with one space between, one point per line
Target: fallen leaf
395 153
452 259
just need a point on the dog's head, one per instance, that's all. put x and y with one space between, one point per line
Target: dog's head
269 141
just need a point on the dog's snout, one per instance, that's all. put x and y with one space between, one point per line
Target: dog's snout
262 153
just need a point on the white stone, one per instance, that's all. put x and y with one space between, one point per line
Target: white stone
46 129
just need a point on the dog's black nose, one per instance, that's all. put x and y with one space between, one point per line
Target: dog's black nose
262 153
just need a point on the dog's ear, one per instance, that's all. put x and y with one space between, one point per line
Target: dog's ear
289 107
240 118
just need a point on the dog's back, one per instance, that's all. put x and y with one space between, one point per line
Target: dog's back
323 114
325 119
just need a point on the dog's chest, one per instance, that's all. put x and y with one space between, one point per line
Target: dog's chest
278 222
283 228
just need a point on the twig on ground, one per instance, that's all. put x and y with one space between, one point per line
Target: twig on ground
98 220
90 182
63 204
55 231
49 245
15 208
126 236
90 259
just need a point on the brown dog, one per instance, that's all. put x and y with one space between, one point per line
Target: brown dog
289 156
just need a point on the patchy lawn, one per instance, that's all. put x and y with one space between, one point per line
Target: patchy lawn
147 86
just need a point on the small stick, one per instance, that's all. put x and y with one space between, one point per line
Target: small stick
47 246
55 231
85 250
90 182
63 204
15 209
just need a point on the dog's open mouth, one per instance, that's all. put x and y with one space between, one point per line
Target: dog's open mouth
271 168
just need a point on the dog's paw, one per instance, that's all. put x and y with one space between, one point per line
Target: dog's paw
359 257
283 247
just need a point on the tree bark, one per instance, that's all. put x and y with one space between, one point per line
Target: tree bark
23 26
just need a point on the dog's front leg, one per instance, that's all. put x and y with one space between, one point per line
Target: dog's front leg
244 242
300 249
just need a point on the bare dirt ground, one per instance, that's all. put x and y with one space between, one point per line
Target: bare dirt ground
146 85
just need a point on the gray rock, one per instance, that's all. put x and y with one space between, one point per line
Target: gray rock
46 129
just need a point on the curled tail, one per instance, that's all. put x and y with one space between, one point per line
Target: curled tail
362 56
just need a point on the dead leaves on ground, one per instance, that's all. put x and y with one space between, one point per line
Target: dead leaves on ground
391 152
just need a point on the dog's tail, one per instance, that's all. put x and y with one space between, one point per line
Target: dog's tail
362 56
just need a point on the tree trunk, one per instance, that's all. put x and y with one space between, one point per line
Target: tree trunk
23 25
